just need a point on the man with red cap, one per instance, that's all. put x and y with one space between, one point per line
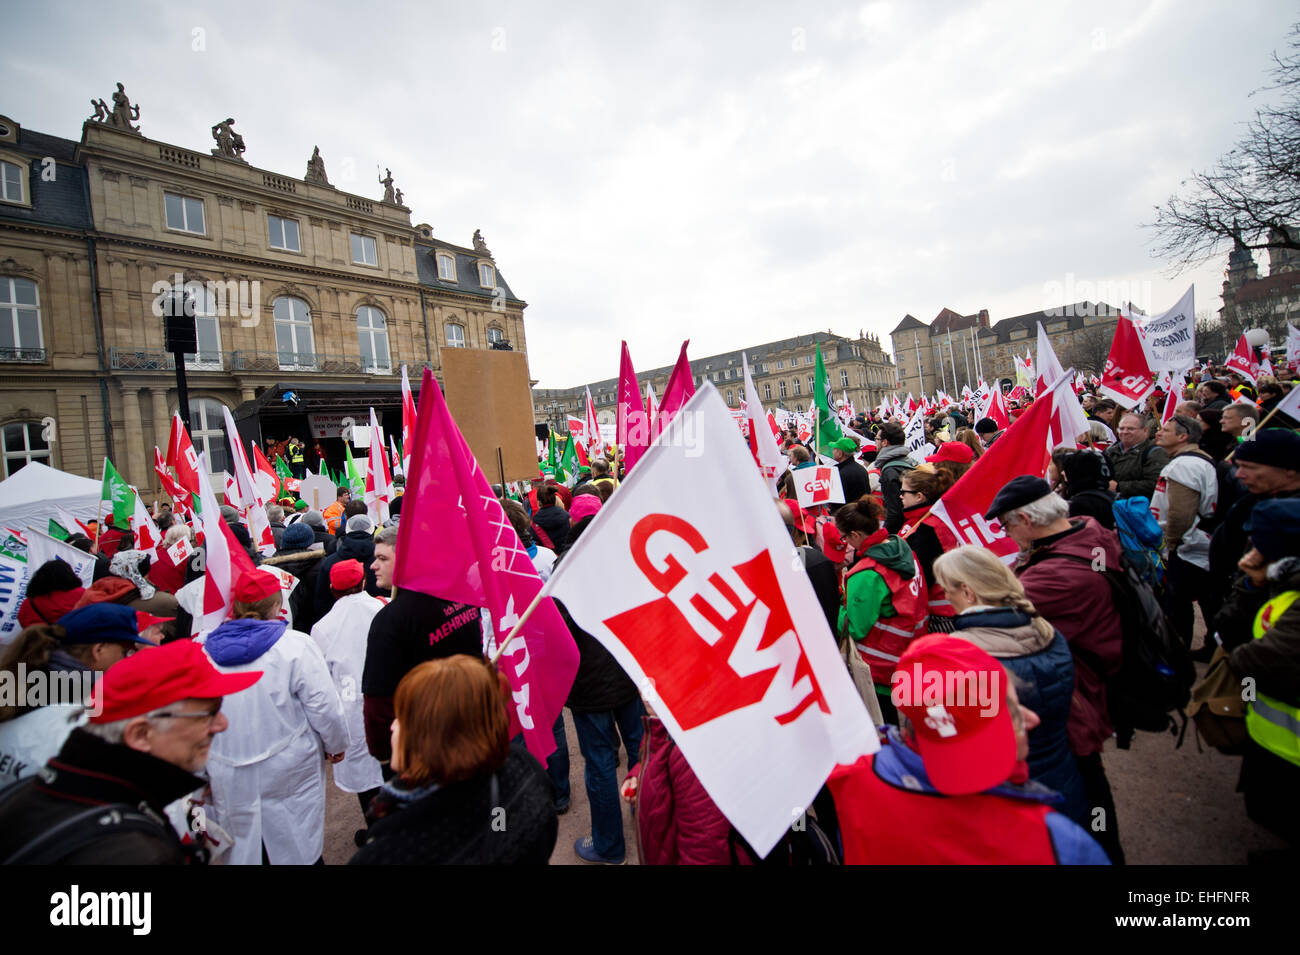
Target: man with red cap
268 772
951 785
153 718
341 634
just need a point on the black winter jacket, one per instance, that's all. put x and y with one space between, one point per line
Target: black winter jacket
600 684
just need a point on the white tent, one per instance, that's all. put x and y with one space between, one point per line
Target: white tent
30 496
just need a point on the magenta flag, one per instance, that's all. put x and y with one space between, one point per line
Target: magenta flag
454 541
633 422
678 391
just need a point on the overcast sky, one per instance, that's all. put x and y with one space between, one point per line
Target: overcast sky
734 172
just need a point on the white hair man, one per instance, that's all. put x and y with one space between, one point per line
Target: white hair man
1059 564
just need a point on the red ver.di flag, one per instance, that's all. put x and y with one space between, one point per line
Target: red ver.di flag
703 604
455 542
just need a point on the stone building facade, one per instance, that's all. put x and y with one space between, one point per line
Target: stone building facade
1254 301
297 287
783 372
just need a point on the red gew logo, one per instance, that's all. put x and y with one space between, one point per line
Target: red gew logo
819 486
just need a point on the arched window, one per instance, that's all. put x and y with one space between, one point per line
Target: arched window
455 335
293 338
495 335
23 444
20 321
208 432
372 332
206 327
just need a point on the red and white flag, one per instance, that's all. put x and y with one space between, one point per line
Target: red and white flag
1127 376
591 430
1174 398
181 456
1049 369
651 406
180 496
147 537
267 481
252 504
958 516
379 480
997 408
763 443
479 561
408 421
208 598
1243 360
703 603
1292 345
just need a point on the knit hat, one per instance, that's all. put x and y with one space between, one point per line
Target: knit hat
297 536
1086 470
229 514
1274 528
359 522
346 574
314 520
300 505
255 585
1275 447
583 506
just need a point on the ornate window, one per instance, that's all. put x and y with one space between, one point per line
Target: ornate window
446 267
372 331
293 335
208 432
283 233
23 444
207 327
455 335
184 213
363 250
495 335
20 321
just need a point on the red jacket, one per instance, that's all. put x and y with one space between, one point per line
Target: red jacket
1077 600
677 822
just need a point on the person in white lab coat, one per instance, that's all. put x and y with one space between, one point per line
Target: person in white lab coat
342 634
268 770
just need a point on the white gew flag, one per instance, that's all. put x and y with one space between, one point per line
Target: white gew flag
1292 345
705 605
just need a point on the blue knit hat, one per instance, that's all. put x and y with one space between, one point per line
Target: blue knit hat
1274 528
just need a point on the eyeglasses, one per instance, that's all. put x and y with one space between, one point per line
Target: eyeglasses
209 715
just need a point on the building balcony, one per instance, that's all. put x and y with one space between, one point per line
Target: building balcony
124 359
32 356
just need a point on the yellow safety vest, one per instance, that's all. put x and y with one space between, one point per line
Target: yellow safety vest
295 456
1271 723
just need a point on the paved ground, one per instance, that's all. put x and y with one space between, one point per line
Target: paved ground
1175 806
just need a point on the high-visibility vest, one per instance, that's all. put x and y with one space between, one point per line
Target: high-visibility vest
888 637
295 456
1271 723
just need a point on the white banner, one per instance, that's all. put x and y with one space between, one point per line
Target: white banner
41 547
1169 340
705 605
13 588
1292 345
814 485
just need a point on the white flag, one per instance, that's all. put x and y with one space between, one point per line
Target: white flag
705 605
41 547
762 443
1292 345
1169 339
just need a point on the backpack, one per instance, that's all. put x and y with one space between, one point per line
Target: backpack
1155 674
1141 538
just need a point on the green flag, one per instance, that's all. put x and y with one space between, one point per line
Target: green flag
57 531
355 479
569 459
283 473
119 494
827 430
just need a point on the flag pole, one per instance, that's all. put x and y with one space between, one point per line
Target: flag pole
523 618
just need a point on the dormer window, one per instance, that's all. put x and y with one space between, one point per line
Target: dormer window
487 275
446 267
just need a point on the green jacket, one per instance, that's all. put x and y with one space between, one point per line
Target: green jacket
866 595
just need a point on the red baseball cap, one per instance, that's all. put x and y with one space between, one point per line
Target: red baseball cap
954 694
145 620
346 574
802 519
956 451
255 585
158 677
833 545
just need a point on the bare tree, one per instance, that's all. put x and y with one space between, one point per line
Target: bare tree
1212 336
1252 194
1090 348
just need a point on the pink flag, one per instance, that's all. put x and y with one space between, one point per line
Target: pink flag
680 388
1243 360
478 560
1127 377
633 421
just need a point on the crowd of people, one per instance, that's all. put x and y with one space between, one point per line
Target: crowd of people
214 745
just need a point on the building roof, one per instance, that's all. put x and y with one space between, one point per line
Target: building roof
63 201
719 362
466 283
1075 314
908 322
1279 284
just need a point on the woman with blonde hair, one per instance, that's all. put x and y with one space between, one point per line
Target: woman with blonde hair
993 613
